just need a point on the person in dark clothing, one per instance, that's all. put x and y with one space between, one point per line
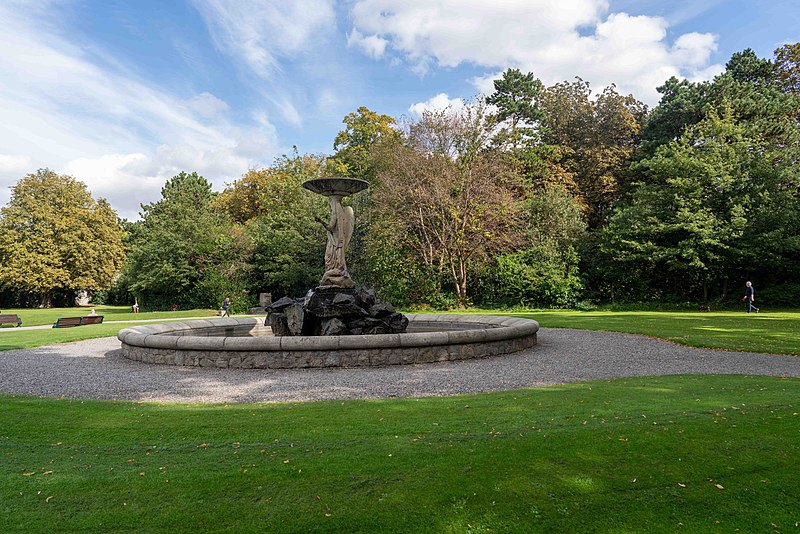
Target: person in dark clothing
226 307
749 297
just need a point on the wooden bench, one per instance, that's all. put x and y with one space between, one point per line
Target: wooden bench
66 322
10 318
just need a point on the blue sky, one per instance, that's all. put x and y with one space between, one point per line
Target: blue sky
123 95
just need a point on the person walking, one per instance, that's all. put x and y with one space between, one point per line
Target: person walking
749 297
226 307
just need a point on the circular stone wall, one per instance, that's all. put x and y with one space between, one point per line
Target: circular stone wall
246 343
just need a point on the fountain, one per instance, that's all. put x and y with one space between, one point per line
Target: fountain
336 324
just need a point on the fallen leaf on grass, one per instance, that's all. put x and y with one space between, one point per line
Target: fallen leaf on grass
681 485
719 486
48 499
57 444
29 473
47 473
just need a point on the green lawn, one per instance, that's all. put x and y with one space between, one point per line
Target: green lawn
665 454
36 316
776 332
14 338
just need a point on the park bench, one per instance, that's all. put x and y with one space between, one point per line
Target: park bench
66 322
10 318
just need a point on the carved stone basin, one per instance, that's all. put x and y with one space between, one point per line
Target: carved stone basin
341 187
246 343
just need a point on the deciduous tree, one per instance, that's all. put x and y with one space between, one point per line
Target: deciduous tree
55 236
452 201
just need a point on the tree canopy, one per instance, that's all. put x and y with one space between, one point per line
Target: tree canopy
55 236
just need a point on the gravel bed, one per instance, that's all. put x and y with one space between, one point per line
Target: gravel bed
95 369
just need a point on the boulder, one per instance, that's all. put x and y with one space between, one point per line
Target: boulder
366 297
295 317
381 309
278 324
335 311
335 302
280 304
333 327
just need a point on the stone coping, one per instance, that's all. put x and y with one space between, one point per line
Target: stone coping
450 329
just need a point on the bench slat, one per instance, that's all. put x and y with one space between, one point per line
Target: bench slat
10 318
66 322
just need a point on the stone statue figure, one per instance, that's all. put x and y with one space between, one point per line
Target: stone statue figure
340 230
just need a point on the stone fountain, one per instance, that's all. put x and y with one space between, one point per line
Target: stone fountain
336 324
336 307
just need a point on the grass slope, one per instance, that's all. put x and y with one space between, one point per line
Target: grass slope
690 454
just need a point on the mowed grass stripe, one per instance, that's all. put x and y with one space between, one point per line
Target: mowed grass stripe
634 455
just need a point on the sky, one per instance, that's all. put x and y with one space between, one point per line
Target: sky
125 94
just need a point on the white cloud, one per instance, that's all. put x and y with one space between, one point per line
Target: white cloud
373 45
694 49
260 32
555 41
207 105
105 126
439 102
14 163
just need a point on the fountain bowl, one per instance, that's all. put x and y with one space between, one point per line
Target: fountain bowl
245 343
340 186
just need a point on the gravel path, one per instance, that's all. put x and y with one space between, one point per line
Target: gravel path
95 369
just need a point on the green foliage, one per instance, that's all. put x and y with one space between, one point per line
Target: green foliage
516 97
451 201
780 295
55 236
543 272
719 192
181 248
278 217
534 277
354 146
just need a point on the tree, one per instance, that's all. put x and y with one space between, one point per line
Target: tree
178 246
275 188
55 236
543 269
681 106
692 214
747 67
787 68
450 200
596 140
278 216
364 130
516 97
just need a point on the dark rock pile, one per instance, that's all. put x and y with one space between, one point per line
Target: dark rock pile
334 312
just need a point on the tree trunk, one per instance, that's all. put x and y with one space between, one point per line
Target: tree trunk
705 290
45 300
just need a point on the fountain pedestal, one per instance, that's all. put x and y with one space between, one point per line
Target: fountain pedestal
332 311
